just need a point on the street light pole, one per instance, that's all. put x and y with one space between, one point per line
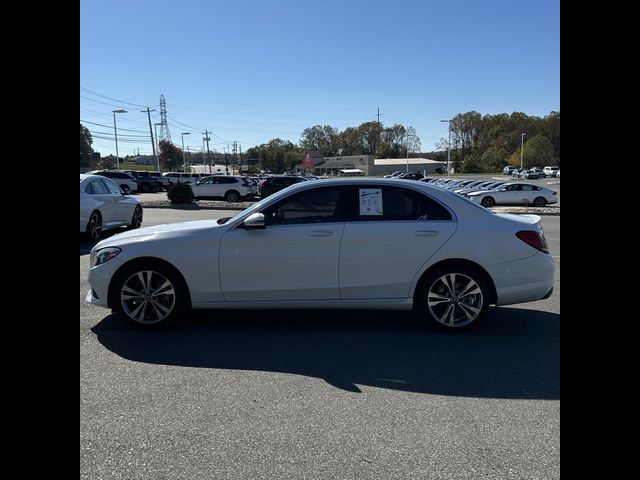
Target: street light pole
448 147
183 134
155 128
115 132
522 150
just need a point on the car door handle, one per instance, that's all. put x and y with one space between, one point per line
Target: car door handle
320 233
426 233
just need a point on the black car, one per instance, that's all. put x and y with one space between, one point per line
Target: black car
410 176
147 181
271 185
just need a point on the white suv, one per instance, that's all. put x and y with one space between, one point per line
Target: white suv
551 171
177 177
232 189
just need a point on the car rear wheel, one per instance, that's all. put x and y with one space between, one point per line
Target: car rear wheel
539 202
453 297
488 202
149 295
94 227
232 196
136 220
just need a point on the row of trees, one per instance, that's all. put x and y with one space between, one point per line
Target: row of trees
478 143
487 143
370 138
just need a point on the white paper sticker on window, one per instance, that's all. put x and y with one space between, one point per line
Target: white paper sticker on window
370 201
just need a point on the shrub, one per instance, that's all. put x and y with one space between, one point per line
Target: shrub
180 193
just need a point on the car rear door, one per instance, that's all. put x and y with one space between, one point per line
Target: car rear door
393 233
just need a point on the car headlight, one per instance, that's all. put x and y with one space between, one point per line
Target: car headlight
105 254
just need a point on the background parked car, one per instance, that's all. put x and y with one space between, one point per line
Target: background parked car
551 171
508 170
231 188
146 182
179 177
125 181
515 194
271 185
410 176
104 206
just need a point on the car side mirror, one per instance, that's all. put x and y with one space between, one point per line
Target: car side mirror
254 221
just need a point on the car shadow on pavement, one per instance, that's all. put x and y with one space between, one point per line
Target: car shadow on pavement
514 353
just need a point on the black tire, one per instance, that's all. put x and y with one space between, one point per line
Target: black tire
160 301
488 202
540 202
94 226
453 308
136 219
232 196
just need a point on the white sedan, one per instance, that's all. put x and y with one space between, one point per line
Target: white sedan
515 193
103 206
349 243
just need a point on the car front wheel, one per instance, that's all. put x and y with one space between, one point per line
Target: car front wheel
453 297
149 295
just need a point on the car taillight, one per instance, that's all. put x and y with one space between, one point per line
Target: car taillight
533 238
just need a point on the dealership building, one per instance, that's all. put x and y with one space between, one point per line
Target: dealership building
365 165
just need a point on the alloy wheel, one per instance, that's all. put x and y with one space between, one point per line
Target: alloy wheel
455 300
148 297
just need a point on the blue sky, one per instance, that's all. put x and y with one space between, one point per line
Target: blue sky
252 70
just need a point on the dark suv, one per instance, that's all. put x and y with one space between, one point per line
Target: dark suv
147 181
271 185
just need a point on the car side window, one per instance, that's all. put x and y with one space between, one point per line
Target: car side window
402 204
96 187
527 188
112 187
316 206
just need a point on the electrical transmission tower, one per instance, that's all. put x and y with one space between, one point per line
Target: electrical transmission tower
164 126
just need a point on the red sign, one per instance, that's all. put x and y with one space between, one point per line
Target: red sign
308 161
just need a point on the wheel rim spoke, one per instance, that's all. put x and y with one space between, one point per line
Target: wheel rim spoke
470 311
436 299
472 288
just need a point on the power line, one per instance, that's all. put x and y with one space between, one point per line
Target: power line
109 126
109 98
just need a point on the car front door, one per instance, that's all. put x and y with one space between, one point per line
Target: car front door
295 257
122 211
393 233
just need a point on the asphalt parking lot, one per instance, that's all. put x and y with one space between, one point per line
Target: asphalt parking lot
327 394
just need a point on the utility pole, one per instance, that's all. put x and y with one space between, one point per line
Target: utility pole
234 161
378 115
206 139
153 143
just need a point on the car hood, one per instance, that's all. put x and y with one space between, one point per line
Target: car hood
166 230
